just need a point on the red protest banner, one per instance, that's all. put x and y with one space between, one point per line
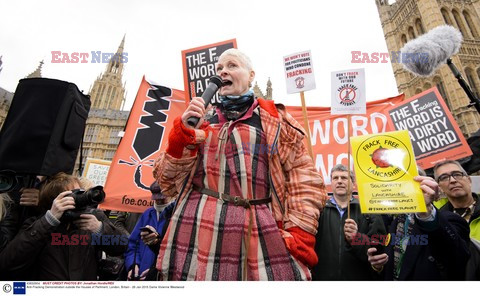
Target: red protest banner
130 175
329 132
199 66
434 133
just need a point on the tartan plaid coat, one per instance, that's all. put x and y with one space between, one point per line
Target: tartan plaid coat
296 188
298 191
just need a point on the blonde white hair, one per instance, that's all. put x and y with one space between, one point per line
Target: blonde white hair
4 205
240 55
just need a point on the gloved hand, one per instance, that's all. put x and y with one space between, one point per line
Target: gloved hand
181 137
301 245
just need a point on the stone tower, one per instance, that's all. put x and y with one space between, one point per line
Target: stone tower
405 20
107 91
269 91
106 119
37 73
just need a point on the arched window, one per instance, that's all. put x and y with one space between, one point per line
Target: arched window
404 39
439 84
470 24
419 26
106 101
100 97
459 22
411 34
418 90
471 81
111 99
446 16
427 86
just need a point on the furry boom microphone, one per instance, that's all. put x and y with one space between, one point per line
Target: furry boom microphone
439 44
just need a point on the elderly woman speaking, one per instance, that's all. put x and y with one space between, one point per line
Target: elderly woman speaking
249 196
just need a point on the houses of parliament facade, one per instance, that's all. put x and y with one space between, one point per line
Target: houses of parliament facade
401 21
405 20
106 119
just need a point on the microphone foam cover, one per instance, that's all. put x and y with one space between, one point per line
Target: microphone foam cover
437 46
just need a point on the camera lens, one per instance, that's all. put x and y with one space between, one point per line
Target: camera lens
7 181
96 195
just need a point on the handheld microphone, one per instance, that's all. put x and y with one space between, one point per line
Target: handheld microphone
214 84
437 45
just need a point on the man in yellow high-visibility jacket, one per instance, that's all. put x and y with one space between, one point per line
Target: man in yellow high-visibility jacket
456 184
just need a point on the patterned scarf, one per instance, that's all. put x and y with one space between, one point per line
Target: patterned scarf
235 106
400 241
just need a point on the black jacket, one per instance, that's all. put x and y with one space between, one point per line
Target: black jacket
445 255
472 272
338 260
33 256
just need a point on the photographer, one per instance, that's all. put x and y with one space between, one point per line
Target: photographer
58 245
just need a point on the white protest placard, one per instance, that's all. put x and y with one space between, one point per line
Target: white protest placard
299 72
96 170
348 92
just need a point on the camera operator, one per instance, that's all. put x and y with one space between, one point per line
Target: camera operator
55 247
16 206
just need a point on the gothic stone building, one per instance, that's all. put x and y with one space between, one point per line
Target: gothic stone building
106 119
405 20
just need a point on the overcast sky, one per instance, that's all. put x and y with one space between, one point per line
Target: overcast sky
157 32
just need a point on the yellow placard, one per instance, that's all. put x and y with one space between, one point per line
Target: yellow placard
385 166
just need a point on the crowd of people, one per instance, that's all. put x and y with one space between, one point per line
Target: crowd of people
223 211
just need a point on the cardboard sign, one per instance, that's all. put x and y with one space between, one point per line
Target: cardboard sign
299 72
329 132
385 166
434 133
131 173
199 66
96 170
348 92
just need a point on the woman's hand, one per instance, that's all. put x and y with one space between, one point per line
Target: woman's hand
196 108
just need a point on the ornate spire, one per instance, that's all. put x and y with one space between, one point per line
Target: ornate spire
1 63
257 91
115 66
120 48
107 92
38 72
269 90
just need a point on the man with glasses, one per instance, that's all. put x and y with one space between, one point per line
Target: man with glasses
457 186
425 246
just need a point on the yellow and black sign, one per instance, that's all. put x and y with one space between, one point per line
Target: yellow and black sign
385 167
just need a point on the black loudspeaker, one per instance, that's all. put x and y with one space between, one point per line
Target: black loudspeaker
44 126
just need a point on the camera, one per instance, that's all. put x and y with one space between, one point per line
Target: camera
85 202
11 182
8 181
